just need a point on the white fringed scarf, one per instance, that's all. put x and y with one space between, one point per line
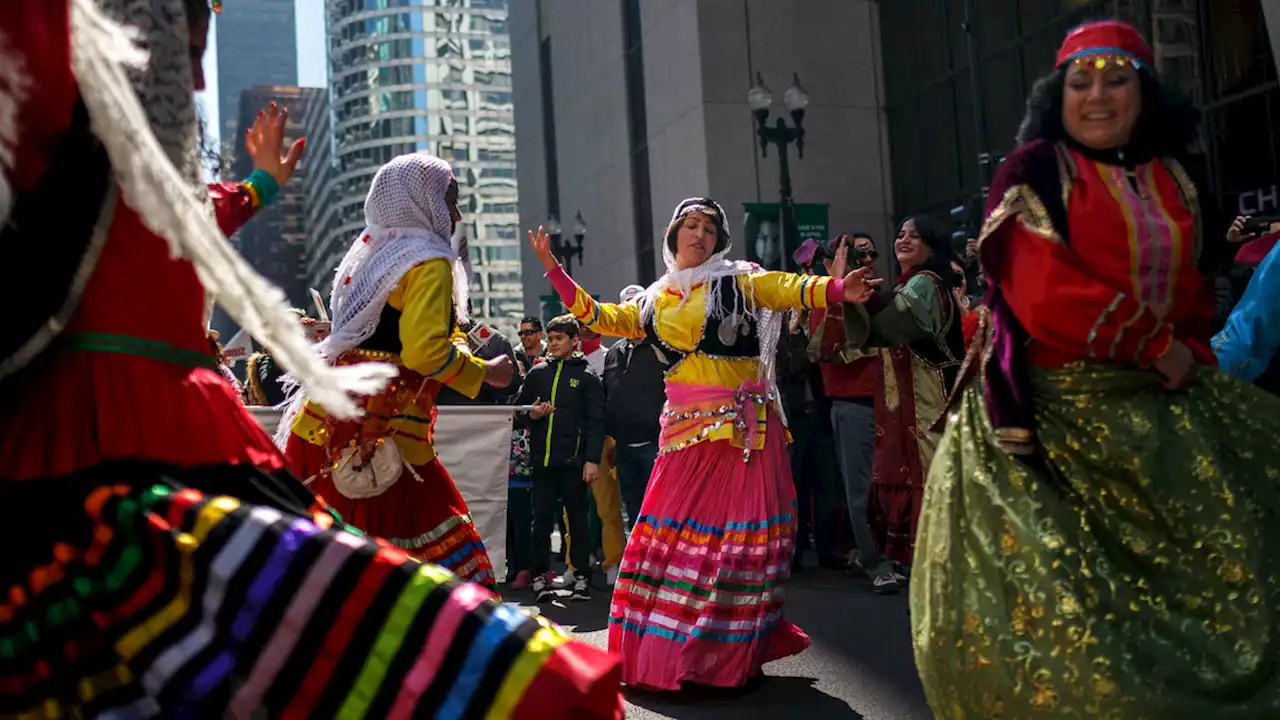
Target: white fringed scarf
408 223
717 268
153 156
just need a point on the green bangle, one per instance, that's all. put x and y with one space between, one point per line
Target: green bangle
265 185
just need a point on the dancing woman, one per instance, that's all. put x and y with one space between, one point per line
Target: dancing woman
920 328
172 568
396 298
699 598
1098 536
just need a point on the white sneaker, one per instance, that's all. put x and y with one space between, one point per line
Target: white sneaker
611 576
565 580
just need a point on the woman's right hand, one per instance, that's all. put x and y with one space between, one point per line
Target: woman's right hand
1177 365
541 244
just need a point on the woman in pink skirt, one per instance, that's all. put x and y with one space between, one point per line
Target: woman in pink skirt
699 597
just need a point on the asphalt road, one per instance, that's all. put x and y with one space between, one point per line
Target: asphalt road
858 667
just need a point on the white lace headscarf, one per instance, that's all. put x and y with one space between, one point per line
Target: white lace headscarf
131 60
712 272
408 222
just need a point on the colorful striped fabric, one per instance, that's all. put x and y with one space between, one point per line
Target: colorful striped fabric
702 582
182 606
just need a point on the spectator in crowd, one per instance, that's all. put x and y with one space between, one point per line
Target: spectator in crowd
519 509
604 504
969 311
1246 347
485 343
819 500
566 440
851 379
635 391
917 326
262 372
531 345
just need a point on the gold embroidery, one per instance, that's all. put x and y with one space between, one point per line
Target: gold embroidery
1115 342
1192 200
1022 203
891 399
1035 586
1066 172
1093 333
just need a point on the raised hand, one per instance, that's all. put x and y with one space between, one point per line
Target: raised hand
541 244
840 265
859 286
265 143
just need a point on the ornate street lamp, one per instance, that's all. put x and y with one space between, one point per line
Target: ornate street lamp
796 100
565 252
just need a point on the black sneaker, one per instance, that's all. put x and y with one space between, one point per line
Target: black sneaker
542 591
581 589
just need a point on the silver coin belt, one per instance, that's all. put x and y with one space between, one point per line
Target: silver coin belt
723 414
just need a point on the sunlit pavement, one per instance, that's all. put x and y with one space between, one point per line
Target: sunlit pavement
859 665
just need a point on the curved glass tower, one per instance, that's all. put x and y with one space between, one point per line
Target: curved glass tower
433 76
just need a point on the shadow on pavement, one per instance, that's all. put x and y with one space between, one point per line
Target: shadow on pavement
582 617
770 697
872 632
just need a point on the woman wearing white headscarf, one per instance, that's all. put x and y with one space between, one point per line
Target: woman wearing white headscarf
699 598
398 297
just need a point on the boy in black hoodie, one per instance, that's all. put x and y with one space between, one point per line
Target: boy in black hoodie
566 427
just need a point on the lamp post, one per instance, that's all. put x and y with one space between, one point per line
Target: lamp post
759 98
564 251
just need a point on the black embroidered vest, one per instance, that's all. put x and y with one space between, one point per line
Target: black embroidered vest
734 335
386 338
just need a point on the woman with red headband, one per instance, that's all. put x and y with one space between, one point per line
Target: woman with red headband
1098 535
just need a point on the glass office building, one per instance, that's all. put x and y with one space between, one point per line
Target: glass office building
431 76
256 46
1217 51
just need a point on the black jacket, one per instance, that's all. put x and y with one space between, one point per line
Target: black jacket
635 391
488 395
574 433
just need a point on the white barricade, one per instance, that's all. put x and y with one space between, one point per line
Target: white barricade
474 444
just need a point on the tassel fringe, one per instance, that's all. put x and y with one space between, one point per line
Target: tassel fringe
101 49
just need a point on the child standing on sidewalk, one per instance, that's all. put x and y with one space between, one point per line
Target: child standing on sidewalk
566 427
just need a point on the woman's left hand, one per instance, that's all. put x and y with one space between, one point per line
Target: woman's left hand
859 286
265 143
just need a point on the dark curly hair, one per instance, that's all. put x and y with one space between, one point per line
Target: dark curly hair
1167 126
939 262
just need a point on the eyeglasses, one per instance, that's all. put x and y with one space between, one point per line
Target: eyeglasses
527 333
867 254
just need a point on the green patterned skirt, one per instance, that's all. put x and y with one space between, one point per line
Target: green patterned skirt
1131 570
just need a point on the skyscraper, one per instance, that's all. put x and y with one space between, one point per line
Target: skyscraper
257 45
427 76
274 241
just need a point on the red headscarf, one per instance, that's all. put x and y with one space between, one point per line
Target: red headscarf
1106 37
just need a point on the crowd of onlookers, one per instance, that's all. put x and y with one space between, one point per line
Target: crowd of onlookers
582 456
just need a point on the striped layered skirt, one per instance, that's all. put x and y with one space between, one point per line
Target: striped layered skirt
149 599
700 593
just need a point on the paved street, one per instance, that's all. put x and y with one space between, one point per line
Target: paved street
859 666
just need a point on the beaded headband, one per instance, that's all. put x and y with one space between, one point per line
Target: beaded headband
1105 43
